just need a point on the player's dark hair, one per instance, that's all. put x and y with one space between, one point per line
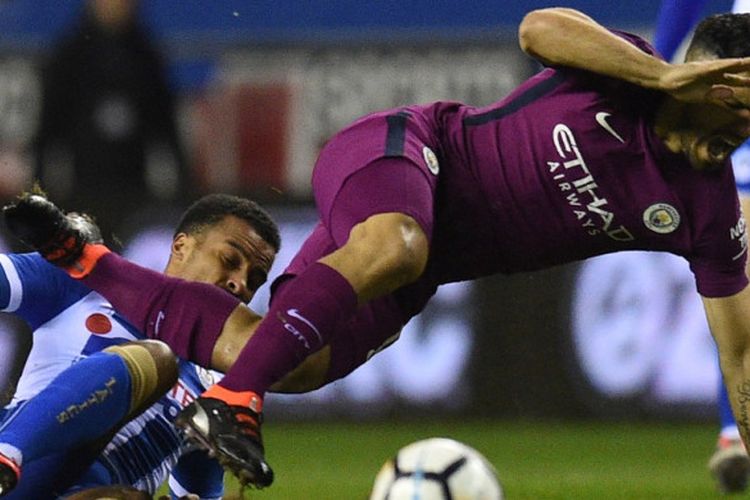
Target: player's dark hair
722 35
213 208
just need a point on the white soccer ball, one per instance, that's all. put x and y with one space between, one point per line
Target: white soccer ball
437 469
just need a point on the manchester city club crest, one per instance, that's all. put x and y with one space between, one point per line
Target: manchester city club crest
431 160
661 218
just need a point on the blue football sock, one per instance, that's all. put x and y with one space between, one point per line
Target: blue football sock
78 406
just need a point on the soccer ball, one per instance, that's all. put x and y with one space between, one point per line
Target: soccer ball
437 469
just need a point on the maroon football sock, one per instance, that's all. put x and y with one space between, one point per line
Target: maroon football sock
302 316
188 316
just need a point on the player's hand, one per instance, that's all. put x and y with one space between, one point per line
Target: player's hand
724 82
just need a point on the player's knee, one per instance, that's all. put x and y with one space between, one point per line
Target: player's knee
153 371
395 244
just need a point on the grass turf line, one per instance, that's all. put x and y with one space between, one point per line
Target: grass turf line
535 460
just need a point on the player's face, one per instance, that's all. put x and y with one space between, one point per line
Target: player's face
713 135
230 255
714 132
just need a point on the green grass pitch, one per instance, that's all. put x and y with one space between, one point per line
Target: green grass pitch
535 460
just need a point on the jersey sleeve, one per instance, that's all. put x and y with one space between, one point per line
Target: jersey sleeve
34 289
195 472
720 243
590 79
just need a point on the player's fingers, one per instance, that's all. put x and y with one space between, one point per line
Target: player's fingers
739 102
736 100
736 79
734 72
734 65
732 96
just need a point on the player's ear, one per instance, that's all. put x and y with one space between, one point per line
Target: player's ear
182 244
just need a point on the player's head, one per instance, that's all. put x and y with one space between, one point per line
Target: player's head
227 241
709 133
720 36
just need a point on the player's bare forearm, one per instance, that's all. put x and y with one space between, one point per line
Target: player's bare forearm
566 37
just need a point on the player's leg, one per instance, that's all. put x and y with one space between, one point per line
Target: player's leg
38 478
404 230
381 247
378 246
84 403
51 475
188 316
730 464
378 325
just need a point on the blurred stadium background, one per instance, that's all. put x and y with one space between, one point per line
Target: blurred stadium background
261 86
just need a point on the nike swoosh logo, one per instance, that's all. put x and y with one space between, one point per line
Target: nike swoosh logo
159 318
294 313
601 119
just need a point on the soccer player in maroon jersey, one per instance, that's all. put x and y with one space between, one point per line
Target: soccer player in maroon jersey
608 149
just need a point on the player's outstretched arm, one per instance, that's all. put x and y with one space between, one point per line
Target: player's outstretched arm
566 37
